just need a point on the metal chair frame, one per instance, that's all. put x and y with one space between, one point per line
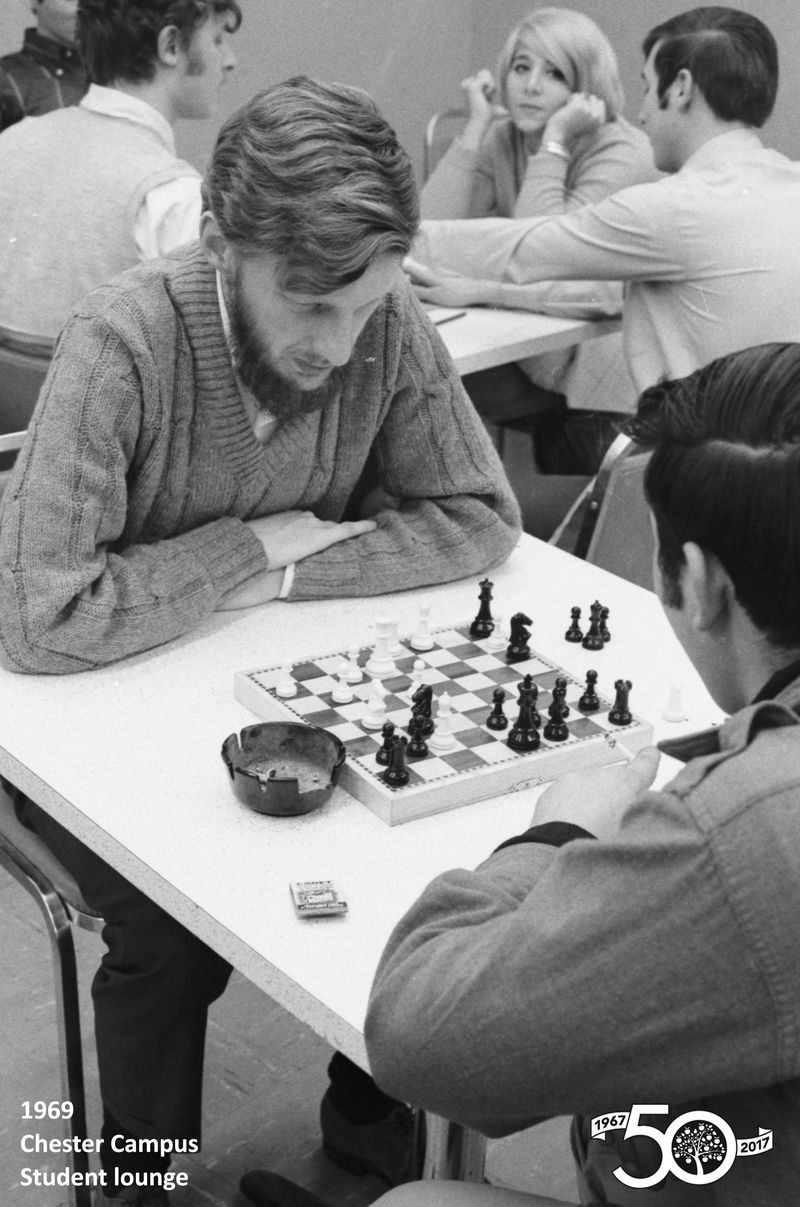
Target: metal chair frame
25 856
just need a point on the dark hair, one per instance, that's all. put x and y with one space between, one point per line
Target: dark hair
725 474
312 173
118 39
732 57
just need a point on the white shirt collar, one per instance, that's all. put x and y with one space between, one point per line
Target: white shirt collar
111 102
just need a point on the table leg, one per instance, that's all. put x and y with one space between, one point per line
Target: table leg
450 1150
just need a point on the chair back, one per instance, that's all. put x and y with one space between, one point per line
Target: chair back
24 361
616 533
440 131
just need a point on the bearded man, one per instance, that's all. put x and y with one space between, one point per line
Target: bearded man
203 429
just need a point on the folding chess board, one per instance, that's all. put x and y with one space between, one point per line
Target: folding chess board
481 764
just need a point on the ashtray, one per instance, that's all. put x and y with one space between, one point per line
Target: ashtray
282 767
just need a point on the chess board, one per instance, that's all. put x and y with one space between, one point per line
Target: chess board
481 764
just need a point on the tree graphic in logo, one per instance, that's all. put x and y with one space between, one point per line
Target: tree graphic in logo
699 1146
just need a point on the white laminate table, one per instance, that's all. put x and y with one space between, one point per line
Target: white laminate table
128 758
483 337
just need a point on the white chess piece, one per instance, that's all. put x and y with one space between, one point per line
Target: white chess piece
286 686
674 709
417 675
421 638
343 692
375 713
354 671
380 664
442 737
498 639
393 643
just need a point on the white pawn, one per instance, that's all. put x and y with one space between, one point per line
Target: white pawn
421 639
496 640
286 686
354 671
442 737
343 692
417 675
375 713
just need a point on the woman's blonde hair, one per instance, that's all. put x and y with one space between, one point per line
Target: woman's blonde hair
576 46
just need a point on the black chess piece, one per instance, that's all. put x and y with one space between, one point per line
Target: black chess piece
396 774
483 625
620 713
417 747
524 735
518 647
590 701
604 631
559 694
593 639
574 632
497 719
556 728
422 706
528 691
383 752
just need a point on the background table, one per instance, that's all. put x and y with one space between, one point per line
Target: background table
127 757
483 338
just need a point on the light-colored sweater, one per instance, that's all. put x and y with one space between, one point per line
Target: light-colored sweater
71 186
502 180
122 525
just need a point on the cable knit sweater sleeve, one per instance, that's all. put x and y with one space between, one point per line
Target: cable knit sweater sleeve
84 579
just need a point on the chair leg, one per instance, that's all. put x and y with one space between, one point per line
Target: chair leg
452 1152
59 927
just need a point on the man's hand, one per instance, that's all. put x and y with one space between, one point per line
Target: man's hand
258 590
290 536
582 114
596 800
443 288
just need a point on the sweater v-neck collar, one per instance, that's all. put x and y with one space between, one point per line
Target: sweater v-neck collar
195 292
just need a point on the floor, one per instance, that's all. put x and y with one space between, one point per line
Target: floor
265 1075
265 1072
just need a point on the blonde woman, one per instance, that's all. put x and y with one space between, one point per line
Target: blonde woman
562 142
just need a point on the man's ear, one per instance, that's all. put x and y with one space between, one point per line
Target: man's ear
213 242
168 45
682 89
708 592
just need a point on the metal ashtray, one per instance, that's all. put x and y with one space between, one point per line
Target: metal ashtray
282 767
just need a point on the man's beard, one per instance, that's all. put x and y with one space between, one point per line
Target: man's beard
254 364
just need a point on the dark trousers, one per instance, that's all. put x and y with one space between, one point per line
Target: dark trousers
151 996
565 442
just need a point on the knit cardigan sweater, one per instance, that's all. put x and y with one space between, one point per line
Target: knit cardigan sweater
122 526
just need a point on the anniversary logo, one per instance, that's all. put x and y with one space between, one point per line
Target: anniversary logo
698 1147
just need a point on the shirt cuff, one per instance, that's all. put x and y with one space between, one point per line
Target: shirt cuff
288 580
551 833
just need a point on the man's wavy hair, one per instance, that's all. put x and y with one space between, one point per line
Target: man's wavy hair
118 39
725 474
312 173
732 57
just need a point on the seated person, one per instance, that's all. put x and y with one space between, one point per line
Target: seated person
562 144
237 388
710 253
47 73
87 191
638 947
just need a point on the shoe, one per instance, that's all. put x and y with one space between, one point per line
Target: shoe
133 1197
385 1148
265 1189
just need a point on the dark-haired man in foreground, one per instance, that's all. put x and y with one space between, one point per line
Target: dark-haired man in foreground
196 446
637 947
